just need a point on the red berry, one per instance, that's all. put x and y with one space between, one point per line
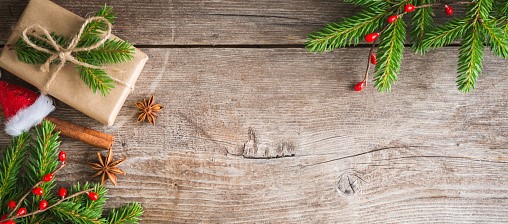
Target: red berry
48 177
359 86
448 10
62 156
11 204
371 37
38 191
93 196
409 8
43 204
21 211
62 192
373 59
9 222
4 216
392 18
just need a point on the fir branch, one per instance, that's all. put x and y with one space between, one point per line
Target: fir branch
126 214
30 55
96 79
75 213
87 41
41 161
496 39
97 27
480 9
485 22
421 23
20 201
111 52
470 58
11 166
42 154
107 13
49 207
390 53
95 206
76 208
470 63
442 35
347 32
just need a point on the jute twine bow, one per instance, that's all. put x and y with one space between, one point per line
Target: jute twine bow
64 54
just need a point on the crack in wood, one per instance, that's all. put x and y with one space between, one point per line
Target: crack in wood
365 153
444 157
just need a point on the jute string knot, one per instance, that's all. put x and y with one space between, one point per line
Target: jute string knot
64 54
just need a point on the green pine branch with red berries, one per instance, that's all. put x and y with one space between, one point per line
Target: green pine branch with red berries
485 23
28 171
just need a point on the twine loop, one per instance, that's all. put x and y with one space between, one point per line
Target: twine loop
64 54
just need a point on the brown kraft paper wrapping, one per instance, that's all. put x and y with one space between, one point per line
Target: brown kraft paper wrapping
68 86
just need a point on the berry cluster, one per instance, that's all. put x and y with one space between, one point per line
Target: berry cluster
372 37
38 191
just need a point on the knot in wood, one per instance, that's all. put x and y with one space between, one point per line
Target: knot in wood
349 184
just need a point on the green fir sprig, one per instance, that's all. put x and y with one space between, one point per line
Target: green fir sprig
111 52
390 55
485 23
26 161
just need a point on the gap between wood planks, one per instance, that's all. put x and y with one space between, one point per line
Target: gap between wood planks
253 46
229 46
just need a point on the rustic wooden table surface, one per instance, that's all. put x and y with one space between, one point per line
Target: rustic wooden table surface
256 129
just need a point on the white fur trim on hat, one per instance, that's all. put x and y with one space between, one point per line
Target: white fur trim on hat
30 116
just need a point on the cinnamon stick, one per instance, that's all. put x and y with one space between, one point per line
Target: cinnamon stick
86 135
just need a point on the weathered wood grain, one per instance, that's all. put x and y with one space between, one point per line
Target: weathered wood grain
424 153
206 22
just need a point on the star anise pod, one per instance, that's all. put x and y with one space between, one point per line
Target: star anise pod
107 168
148 109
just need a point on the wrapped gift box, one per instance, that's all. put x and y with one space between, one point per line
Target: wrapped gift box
68 86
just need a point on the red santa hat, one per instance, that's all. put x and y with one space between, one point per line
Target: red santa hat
23 108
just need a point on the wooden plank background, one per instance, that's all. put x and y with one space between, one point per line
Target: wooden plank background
255 129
